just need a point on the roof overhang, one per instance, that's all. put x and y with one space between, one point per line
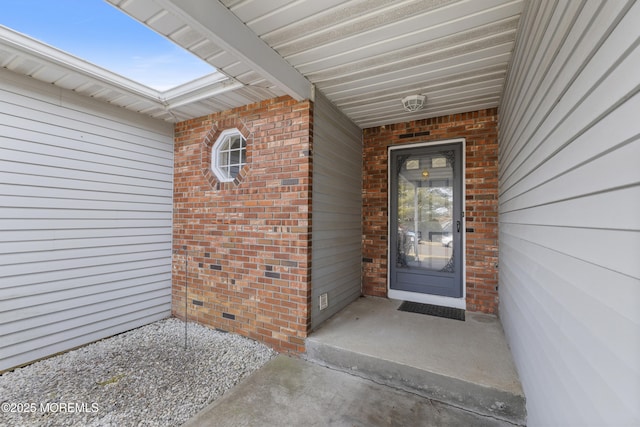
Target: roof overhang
38 60
363 55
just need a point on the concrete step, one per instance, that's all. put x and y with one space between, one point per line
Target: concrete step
464 364
292 392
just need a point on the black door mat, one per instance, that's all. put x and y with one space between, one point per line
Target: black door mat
432 310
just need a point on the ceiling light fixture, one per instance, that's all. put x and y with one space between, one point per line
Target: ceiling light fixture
413 103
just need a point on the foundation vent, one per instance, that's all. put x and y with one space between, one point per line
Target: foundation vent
324 301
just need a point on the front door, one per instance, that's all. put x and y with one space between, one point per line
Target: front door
425 233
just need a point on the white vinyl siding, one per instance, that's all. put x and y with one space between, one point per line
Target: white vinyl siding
85 220
569 138
336 209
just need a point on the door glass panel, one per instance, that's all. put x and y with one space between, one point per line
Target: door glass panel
425 211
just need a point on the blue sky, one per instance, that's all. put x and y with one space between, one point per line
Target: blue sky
99 33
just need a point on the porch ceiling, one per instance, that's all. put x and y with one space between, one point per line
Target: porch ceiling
364 55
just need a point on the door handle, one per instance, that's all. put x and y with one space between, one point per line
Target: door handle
458 225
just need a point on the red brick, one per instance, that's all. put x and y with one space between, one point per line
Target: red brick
234 223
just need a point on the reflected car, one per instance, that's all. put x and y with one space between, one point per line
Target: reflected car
412 236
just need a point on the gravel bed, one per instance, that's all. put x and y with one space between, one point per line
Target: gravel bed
144 377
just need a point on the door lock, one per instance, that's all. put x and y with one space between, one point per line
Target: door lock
458 225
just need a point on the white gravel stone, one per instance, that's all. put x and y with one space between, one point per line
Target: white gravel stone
144 377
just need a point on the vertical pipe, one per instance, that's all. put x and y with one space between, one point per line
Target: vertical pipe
186 301
416 223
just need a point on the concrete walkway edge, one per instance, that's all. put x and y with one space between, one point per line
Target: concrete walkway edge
294 392
461 394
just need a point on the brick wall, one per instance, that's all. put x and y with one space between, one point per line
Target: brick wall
481 204
248 241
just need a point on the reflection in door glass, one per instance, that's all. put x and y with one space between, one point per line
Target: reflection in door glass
425 211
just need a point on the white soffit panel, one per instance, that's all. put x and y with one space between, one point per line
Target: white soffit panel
363 52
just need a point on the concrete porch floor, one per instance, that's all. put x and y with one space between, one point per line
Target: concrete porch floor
382 368
465 364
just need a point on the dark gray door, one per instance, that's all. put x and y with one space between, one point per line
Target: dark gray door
426 219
